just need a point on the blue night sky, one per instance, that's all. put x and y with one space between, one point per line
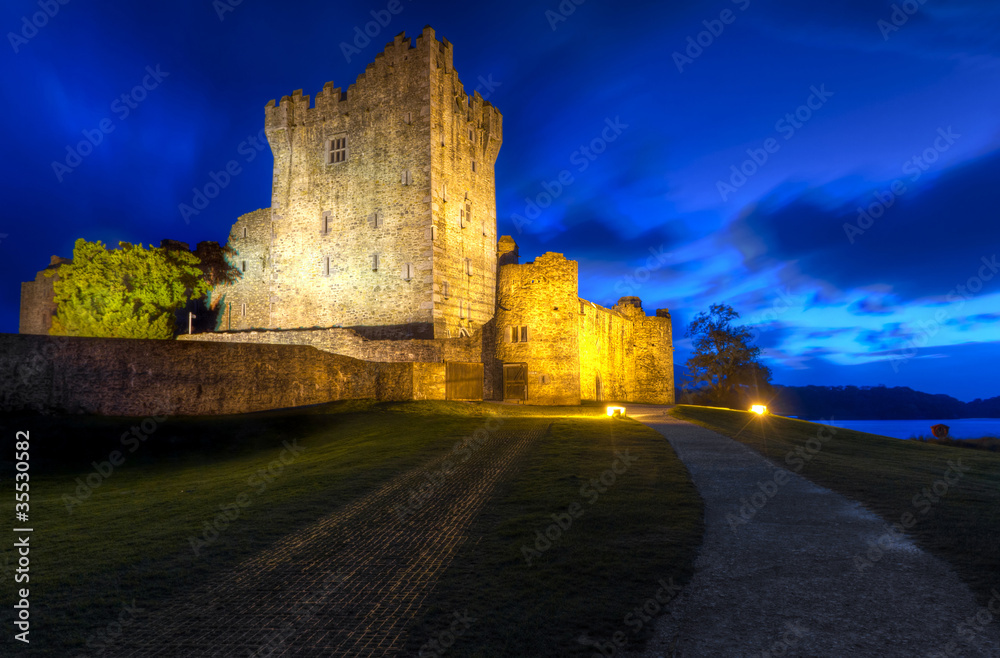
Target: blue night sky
845 109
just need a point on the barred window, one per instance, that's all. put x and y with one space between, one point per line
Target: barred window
338 150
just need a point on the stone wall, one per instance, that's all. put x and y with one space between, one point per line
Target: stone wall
245 304
415 189
348 342
542 297
575 349
122 377
38 305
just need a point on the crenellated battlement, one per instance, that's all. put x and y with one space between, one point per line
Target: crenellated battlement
415 59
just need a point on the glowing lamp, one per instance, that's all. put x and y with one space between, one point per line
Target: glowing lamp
759 409
616 411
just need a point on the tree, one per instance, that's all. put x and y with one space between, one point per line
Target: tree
128 292
725 366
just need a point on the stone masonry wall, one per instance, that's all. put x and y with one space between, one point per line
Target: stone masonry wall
466 134
606 354
38 305
123 377
245 304
347 342
396 195
541 296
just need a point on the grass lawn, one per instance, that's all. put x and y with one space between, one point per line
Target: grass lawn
131 538
583 586
885 474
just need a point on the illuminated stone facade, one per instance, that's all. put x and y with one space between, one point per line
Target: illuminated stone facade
383 210
381 244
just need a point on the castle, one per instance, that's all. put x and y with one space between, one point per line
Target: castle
381 244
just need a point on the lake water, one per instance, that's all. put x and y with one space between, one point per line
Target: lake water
961 428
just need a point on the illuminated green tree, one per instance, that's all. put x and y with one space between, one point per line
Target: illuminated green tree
725 366
128 292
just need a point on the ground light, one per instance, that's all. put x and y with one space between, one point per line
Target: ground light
616 411
758 409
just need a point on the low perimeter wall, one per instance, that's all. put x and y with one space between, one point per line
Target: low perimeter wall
122 377
349 343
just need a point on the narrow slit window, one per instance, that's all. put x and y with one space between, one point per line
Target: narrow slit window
375 219
407 177
243 266
326 223
407 271
445 289
244 231
244 309
374 262
434 233
408 118
326 266
468 266
338 150
524 334
473 166
461 309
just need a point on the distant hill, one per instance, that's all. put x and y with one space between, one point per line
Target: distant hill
875 403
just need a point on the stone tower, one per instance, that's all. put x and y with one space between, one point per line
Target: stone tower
383 212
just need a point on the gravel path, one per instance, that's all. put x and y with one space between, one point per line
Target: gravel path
348 584
786 582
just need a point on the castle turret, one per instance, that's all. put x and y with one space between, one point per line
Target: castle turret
383 205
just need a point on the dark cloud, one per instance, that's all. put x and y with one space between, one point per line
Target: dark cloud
920 246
